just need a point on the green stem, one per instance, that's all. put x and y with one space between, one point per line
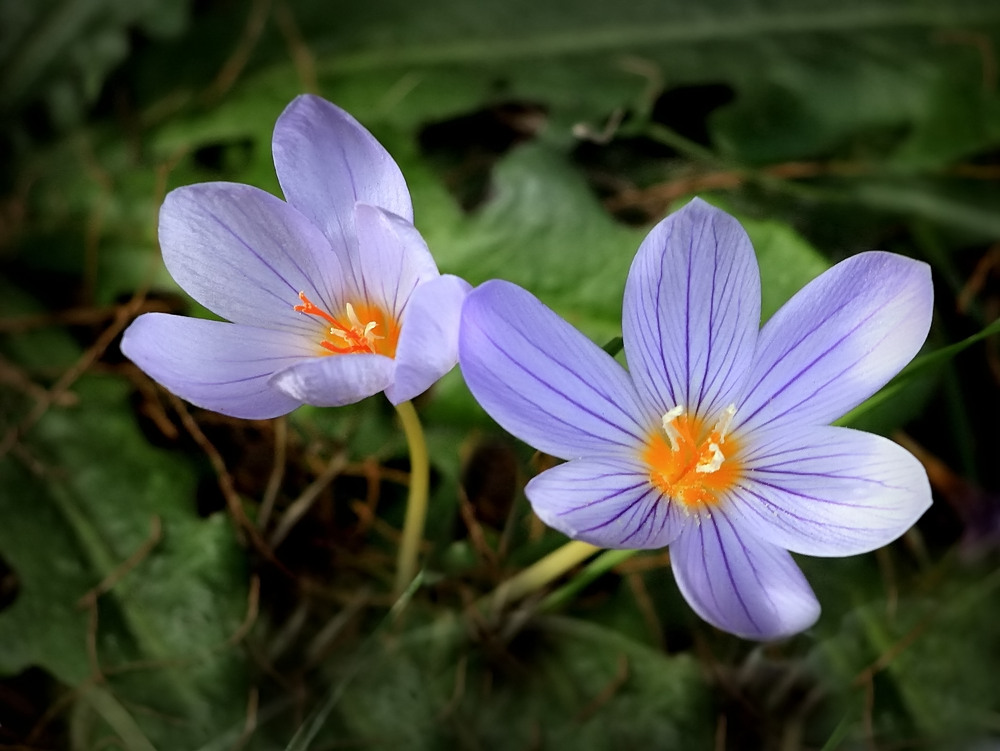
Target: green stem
107 706
597 567
536 576
416 505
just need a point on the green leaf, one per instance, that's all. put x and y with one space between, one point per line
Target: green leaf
88 495
926 660
62 51
561 682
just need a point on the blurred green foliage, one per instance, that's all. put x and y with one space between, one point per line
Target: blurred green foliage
146 602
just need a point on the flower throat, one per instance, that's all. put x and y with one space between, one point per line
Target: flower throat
690 464
363 328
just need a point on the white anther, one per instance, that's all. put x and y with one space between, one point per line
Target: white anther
722 426
713 464
342 334
353 318
365 331
673 434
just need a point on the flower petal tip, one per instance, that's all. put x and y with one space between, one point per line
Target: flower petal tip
215 365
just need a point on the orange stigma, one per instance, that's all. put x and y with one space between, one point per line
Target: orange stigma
690 464
368 329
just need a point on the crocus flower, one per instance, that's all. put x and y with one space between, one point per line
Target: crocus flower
331 295
716 441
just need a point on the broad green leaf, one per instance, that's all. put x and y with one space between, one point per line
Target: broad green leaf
926 660
84 493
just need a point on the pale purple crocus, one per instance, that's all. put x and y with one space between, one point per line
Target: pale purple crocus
330 296
716 441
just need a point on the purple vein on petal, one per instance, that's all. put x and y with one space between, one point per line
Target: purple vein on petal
615 493
395 291
687 314
652 346
400 307
610 520
322 293
732 345
809 397
752 459
256 255
804 370
550 386
729 568
290 258
808 497
653 510
789 513
711 316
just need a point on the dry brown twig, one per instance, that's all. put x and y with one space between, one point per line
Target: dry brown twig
123 315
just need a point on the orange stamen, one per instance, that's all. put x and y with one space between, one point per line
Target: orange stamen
354 336
690 464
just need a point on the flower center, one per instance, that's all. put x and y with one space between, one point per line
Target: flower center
361 328
690 464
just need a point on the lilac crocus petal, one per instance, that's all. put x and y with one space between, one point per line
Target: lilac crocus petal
542 380
607 502
391 258
220 366
692 311
246 255
829 491
838 341
336 380
326 162
428 341
739 584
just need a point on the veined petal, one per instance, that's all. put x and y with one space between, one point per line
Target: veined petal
335 380
542 380
246 255
692 311
220 366
829 491
740 584
326 162
428 342
608 502
390 260
838 341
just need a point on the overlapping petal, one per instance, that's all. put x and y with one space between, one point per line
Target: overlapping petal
829 491
216 365
838 341
428 342
344 237
692 311
742 585
391 259
607 502
544 381
337 380
245 255
326 162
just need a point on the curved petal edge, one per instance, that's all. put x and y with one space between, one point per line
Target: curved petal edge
742 585
428 342
216 365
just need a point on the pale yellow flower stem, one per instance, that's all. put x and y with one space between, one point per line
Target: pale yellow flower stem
536 576
416 504
597 567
